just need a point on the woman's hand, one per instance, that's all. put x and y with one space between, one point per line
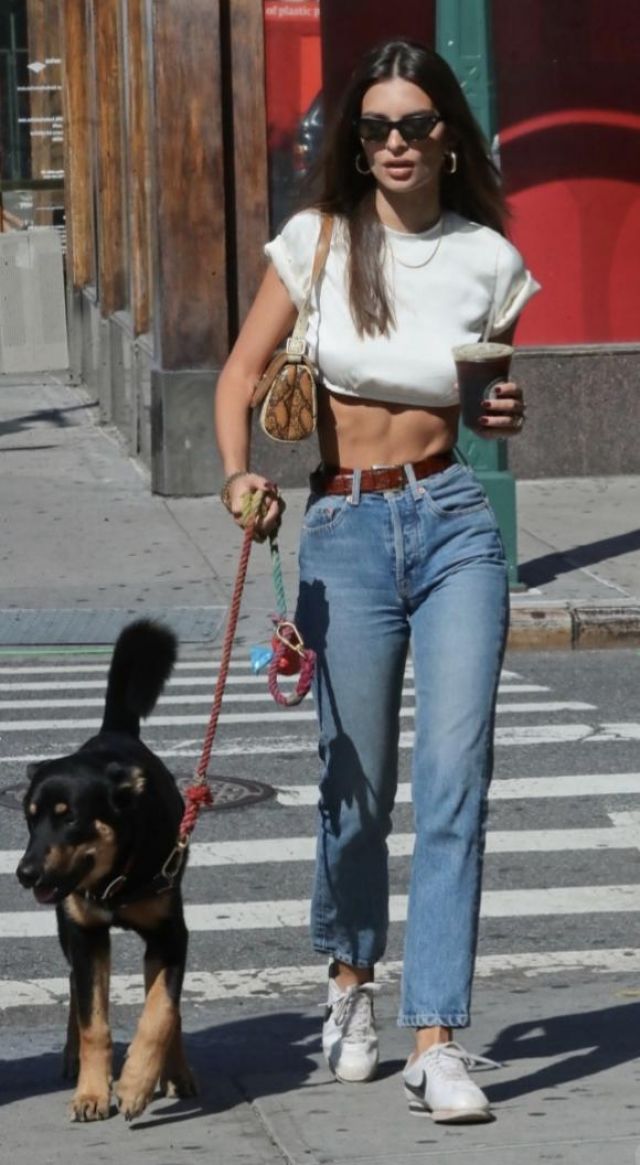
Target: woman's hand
244 483
504 415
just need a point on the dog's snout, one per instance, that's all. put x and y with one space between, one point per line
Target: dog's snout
27 873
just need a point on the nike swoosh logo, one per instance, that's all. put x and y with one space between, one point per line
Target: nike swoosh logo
418 1089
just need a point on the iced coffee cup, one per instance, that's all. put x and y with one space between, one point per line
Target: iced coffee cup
480 367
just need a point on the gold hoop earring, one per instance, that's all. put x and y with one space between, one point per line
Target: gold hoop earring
359 167
450 164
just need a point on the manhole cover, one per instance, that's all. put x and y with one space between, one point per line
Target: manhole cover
233 792
228 793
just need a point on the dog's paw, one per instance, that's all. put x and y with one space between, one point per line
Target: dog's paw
179 1083
133 1094
90 1106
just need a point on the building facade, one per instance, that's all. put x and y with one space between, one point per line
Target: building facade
187 128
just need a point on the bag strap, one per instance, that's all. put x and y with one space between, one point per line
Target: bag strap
296 344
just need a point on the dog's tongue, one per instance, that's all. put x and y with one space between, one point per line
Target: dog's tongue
44 894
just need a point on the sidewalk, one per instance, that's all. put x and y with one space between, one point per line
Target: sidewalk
567 1092
84 546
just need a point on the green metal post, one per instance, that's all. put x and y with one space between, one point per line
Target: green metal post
463 38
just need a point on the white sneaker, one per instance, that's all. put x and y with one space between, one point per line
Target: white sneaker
437 1082
349 1037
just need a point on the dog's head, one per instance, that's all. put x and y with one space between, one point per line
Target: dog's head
79 816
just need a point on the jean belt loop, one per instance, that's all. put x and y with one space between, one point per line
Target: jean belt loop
409 473
354 498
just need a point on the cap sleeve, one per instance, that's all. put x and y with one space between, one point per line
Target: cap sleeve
292 253
514 287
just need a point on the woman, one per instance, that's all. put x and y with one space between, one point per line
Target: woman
399 546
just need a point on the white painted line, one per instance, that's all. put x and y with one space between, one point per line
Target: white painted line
549 706
284 913
262 697
99 685
261 851
163 702
625 819
506 788
612 961
102 668
285 744
509 689
201 721
203 665
273 982
612 732
208 682
512 736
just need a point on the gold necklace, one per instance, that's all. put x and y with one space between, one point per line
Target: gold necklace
416 266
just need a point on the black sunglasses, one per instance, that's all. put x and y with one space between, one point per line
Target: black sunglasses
415 127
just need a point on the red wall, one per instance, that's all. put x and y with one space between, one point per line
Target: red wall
568 88
293 65
350 27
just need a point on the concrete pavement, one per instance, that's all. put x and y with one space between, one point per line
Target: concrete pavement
568 1090
84 545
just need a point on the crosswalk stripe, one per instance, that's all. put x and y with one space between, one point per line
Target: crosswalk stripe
273 982
201 681
294 913
506 788
260 851
514 735
211 666
266 698
286 744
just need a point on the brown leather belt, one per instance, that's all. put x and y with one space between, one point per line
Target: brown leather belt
329 480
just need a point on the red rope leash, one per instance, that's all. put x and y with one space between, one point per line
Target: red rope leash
288 644
199 794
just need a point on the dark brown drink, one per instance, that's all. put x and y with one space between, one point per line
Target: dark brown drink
479 367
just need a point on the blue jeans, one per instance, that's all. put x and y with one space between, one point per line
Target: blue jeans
421 566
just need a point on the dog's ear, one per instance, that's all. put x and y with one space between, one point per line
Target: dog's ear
32 772
128 783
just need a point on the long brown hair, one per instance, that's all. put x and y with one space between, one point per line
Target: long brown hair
336 187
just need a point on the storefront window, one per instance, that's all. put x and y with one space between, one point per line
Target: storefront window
31 119
294 97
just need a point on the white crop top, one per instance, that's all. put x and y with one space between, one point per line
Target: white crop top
474 277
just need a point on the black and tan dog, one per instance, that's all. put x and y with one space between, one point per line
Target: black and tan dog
103 825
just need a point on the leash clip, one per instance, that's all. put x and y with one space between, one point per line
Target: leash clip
175 861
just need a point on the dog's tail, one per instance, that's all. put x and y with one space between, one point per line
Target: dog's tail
142 661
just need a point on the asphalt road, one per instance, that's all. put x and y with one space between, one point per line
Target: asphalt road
560 715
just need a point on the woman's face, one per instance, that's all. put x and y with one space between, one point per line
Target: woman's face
397 163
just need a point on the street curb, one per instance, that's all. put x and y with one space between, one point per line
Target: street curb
562 626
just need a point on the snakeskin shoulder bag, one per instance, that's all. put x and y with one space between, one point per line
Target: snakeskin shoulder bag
287 391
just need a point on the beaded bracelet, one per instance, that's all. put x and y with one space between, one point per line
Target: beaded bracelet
224 492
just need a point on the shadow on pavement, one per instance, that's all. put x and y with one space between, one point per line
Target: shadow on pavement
548 567
55 417
588 1042
276 1051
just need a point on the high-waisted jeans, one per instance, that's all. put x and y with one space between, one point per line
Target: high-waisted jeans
379 572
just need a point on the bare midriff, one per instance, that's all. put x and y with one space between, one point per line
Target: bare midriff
358 434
